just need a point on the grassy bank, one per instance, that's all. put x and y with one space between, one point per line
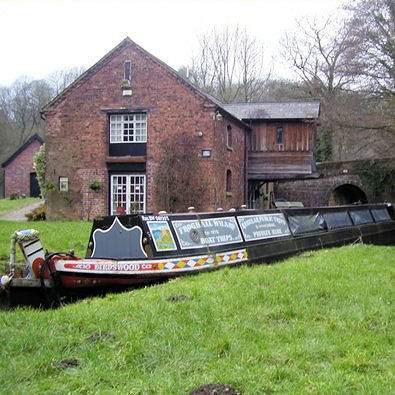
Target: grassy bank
7 205
319 323
55 236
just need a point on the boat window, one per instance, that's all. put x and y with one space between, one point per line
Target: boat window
380 214
306 223
361 217
336 220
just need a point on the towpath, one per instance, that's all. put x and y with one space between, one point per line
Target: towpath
19 214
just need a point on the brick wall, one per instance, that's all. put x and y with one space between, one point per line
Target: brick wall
77 134
229 158
17 172
314 192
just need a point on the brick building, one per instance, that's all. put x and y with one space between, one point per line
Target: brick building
108 135
19 175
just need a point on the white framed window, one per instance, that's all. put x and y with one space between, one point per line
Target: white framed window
128 128
63 184
127 193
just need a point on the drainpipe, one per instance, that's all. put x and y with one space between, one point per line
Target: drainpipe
245 166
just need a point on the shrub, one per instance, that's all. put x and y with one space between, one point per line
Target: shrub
37 214
14 196
40 164
95 185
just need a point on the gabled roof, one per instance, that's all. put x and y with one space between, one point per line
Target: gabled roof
22 148
275 110
113 52
85 75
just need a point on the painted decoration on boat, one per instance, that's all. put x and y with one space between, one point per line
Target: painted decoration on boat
207 232
161 234
102 266
118 242
263 226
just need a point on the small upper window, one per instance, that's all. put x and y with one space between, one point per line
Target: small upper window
229 136
128 128
63 184
127 70
279 135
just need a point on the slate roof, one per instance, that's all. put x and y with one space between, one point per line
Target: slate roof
22 148
275 110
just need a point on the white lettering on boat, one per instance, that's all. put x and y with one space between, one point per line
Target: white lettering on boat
155 217
207 232
263 226
154 266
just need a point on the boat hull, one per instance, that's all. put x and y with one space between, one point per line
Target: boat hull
111 273
127 252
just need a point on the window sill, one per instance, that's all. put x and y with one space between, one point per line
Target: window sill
229 194
126 159
128 142
229 148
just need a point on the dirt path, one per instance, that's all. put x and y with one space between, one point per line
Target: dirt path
19 215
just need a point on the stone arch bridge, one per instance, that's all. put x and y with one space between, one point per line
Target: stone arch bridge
335 183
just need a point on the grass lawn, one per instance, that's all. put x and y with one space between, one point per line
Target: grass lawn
319 323
55 236
7 205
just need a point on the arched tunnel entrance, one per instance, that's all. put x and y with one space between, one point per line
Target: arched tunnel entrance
347 194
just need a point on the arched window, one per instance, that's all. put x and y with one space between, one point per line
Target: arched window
229 136
228 181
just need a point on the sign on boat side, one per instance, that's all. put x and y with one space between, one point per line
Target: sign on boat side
263 226
207 232
211 232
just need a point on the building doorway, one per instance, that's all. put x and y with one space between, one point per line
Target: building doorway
127 194
34 187
260 194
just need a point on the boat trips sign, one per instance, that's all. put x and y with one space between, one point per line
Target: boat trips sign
263 226
210 232
220 231
207 232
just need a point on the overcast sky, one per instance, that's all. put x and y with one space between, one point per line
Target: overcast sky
38 37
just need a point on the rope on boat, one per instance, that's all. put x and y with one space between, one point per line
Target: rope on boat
20 237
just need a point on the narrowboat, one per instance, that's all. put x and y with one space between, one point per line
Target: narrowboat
127 251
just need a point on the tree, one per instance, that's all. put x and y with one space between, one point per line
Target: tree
20 106
374 23
61 79
175 179
325 57
283 89
322 53
229 65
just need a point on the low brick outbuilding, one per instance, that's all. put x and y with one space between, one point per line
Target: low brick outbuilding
19 174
